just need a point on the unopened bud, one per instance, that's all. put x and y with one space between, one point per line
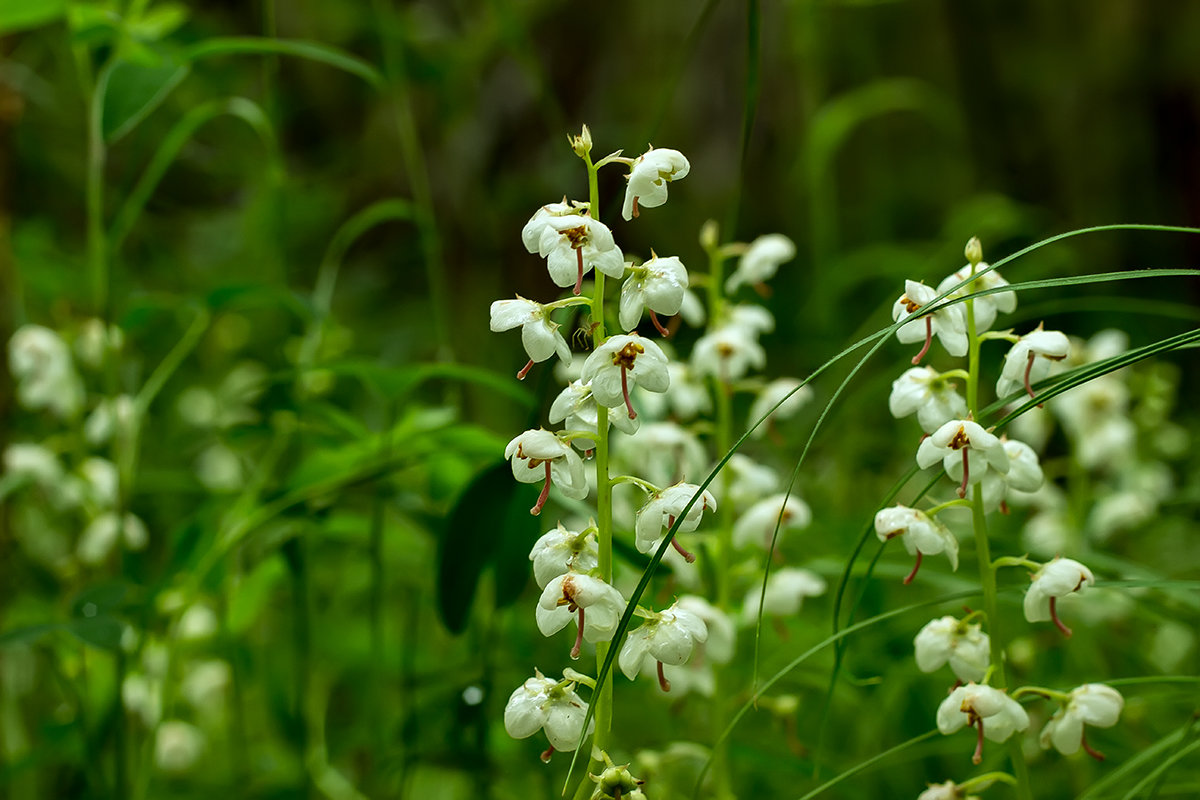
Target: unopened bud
710 235
614 782
974 251
581 144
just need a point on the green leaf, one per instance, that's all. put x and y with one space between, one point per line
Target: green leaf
101 631
19 15
135 89
158 22
493 509
251 45
252 592
105 597
26 634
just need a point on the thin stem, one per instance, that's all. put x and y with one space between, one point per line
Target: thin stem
97 155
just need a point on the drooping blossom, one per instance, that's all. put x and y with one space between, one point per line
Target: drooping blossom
921 534
933 398
785 593
648 178
986 306
576 406
543 703
667 637
660 511
761 261
560 551
1057 578
539 334
774 393
539 455
658 286
965 449
756 526
1092 704
991 712
949 323
949 640
595 605
621 362
575 244
1030 359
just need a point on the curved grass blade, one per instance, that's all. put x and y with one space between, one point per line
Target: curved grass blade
1135 765
313 51
870 762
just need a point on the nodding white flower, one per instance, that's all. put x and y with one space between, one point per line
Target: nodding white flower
1029 360
1095 416
964 645
965 449
773 393
574 244
992 712
786 590
1092 704
944 791
662 452
577 406
692 310
668 637
752 318
749 481
33 463
761 261
177 746
934 398
625 360
721 643
987 306
1057 578
657 285
543 703
728 353
662 508
922 535
950 324
688 395
1024 475
99 537
648 178
538 333
113 416
560 551
757 525
531 234
45 376
96 340
571 594
559 464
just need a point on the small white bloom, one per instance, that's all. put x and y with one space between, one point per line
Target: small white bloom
112 416
786 590
662 453
560 551
33 463
99 537
142 696
1029 360
1058 578
220 469
749 481
950 324
692 309
568 597
757 525
1024 476
934 399
531 234
944 791
96 340
177 746
663 507
42 368
574 244
623 361
965 449
1092 704
688 395
648 178
761 261
996 715
559 464
197 623
965 646
721 643
773 393
987 306
657 285
539 334
921 534
542 703
205 684
752 318
668 637
728 353
576 405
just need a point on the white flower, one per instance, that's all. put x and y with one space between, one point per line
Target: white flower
944 791
663 507
560 464
1024 475
197 623
761 261
773 393
177 746
757 525
560 551
142 696
33 463
728 353
531 234
574 244
950 324
658 285
621 361
542 703
668 637
648 178
1058 578
572 594
786 590
721 643
933 398
539 334
996 715
1091 704
577 406
205 684
99 538
965 449
96 340
922 534
749 481
45 376
692 310
1029 360
752 318
663 453
965 646
985 307
688 394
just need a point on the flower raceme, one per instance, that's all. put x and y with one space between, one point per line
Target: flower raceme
539 334
648 177
949 323
1092 704
623 360
668 637
570 595
559 464
921 534
993 713
965 449
1057 578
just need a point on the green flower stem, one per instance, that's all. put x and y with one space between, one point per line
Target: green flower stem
987 574
602 700
1043 692
948 504
1015 561
982 782
645 485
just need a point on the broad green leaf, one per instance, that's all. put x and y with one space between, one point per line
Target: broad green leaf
102 631
19 15
158 22
252 592
135 89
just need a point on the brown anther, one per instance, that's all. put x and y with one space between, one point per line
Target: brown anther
960 439
909 305
627 355
577 236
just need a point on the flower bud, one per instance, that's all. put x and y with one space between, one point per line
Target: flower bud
974 251
581 144
710 235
